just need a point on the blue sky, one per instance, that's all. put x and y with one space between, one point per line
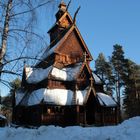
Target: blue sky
102 23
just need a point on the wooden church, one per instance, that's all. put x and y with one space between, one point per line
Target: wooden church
61 89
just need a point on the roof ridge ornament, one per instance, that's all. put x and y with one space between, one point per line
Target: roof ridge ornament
68 5
74 18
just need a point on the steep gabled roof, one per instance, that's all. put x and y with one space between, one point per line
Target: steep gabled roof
81 69
105 100
54 49
83 42
91 89
74 28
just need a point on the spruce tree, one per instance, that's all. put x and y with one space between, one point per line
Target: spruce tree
119 69
103 69
15 84
132 90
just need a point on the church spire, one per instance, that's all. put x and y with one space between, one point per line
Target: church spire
62 6
62 9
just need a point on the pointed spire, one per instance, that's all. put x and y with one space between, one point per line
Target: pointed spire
62 9
62 6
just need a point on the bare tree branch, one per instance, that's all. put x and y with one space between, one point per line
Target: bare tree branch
10 72
28 32
27 11
6 83
20 58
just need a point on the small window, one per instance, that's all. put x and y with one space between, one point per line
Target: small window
48 110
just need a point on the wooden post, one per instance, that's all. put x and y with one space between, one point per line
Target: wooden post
85 57
91 81
85 122
116 115
77 112
13 106
103 119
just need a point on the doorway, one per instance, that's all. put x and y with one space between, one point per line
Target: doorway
90 109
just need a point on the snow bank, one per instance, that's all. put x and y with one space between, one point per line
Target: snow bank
128 130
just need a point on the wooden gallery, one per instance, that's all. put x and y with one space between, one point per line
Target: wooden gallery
62 89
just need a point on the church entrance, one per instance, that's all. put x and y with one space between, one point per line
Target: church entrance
90 109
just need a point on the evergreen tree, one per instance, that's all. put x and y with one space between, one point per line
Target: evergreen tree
121 73
7 101
119 69
132 90
103 69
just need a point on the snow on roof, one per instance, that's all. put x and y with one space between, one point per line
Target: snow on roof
48 52
19 96
58 96
55 96
97 79
105 99
36 75
51 96
67 73
36 96
81 95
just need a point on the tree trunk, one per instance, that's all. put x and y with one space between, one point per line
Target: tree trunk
5 34
118 93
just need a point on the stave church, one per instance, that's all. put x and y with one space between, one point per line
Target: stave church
61 89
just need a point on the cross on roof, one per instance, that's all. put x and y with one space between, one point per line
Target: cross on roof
85 57
91 81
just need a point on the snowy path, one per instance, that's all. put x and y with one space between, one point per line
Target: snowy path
128 130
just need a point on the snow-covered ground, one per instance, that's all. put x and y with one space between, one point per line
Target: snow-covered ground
128 130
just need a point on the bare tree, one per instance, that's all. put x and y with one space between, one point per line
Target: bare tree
19 31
